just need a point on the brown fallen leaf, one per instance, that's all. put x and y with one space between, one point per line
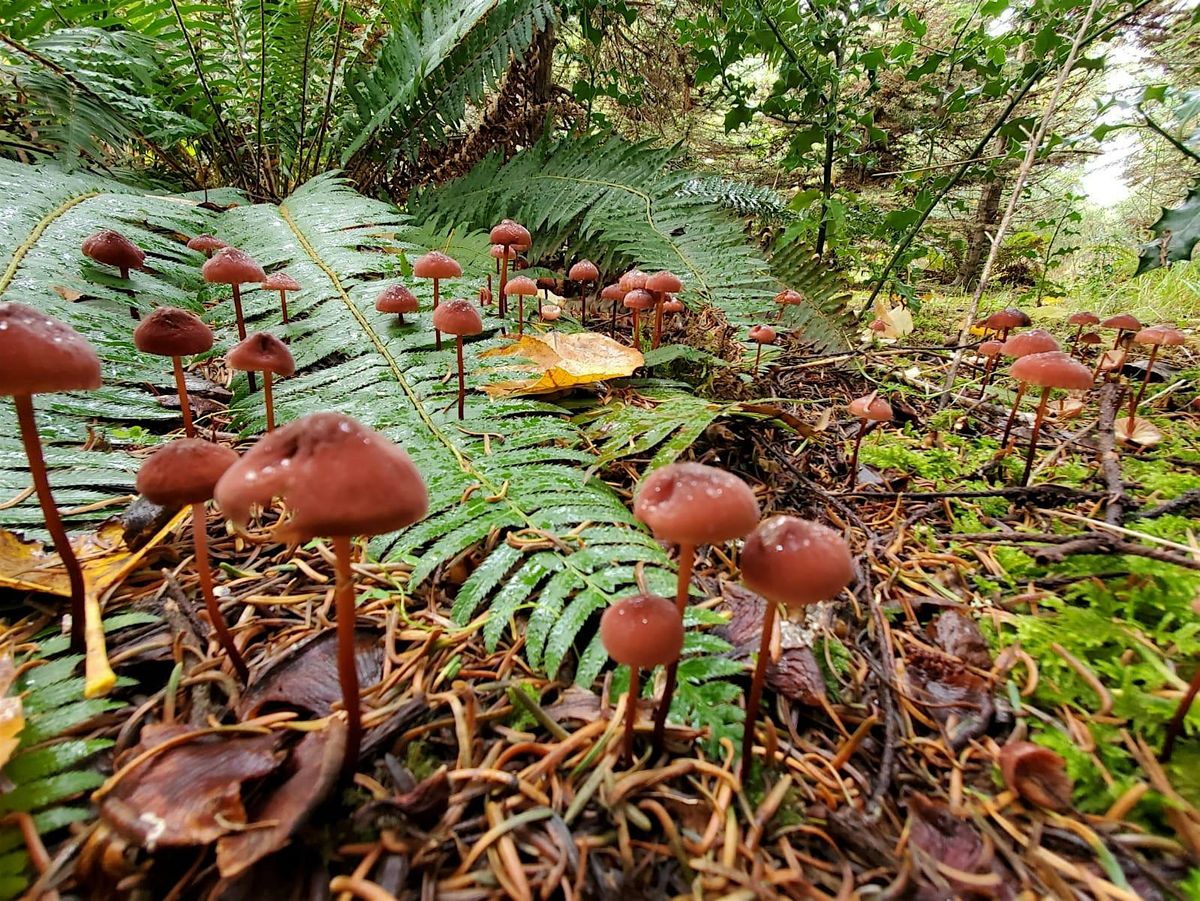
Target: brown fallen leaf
424 804
67 294
955 845
954 696
1037 774
12 710
796 674
959 635
564 361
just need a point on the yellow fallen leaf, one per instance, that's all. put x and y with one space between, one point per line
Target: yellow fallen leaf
67 293
897 321
12 711
563 361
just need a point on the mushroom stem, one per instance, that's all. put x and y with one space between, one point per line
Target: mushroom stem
987 375
1136 402
184 405
400 318
224 636
489 294
1037 426
347 670
462 388
267 395
756 689
1117 340
241 325
631 705
437 335
1181 712
757 356
283 304
1075 340
1012 415
862 430
658 317
683 580
504 282
58 534
520 315
636 339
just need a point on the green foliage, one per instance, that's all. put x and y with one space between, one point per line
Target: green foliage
1175 235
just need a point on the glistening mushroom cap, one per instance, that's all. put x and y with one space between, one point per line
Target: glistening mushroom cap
644 630
1160 335
1124 322
206 243
338 478
40 355
872 407
672 305
1052 370
789 298
397 299
171 332
458 317
261 352
500 252
280 281
795 561
230 266
990 348
1008 318
185 471
1034 341
663 283
639 299
584 271
632 279
1083 318
522 284
1090 338
436 264
511 234
612 292
762 334
690 503
113 249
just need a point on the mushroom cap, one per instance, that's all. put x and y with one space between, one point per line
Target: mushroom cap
397 299
762 334
206 243
1008 318
261 352
1159 334
186 471
458 317
500 252
338 478
1089 338
113 249
878 325
643 630
990 348
551 312
789 297
280 281
1083 317
872 407
663 283
632 279
639 299
40 355
1053 369
1124 322
172 332
436 264
511 234
612 292
672 305
546 283
796 561
690 503
1034 341
1037 774
584 271
522 284
230 266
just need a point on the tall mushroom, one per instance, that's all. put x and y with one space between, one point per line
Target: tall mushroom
990 351
760 335
206 244
40 355
641 632
867 409
185 473
615 295
502 255
584 273
1034 341
339 479
1053 369
1082 319
171 332
523 287
233 267
437 266
637 301
397 299
114 249
263 353
281 282
1123 323
690 504
458 317
794 562
1006 320
1155 336
660 284
514 238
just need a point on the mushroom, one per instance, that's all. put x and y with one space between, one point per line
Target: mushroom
1034 341
340 479
183 473
233 267
760 335
638 300
585 273
641 632
114 249
614 294
500 252
794 562
523 287
1053 369
672 304
551 312
263 353
513 237
690 504
206 244
1006 320
397 299
1155 336
171 332
632 279
1089 339
546 284
40 355
788 298
437 266
1081 320
458 317
1036 774
281 282
485 293
1123 323
660 284
867 409
990 351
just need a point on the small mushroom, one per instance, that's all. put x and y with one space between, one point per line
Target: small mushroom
114 249
1053 369
263 353
501 253
233 267
281 282
171 332
40 355
631 280
485 293
690 504
867 409
458 317
437 266
641 632
760 335
788 298
1082 320
551 312
514 238
1006 320
1123 323
585 273
523 287
638 301
660 284
1036 774
339 479
615 295
672 305
397 299
185 473
1034 341
1089 339
990 351
206 244
1154 336
794 562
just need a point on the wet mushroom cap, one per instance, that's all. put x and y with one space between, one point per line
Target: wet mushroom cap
612 292
762 334
512 234
261 352
690 503
206 243
644 630
41 355
1008 318
522 284
1090 338
789 298
1034 341
584 271
871 407
1122 322
186 471
397 299
1083 318
672 305
795 561
458 317
337 477
113 249
1160 335
230 266
990 348
171 332
639 299
663 283
1054 369
500 252
280 281
436 264
632 280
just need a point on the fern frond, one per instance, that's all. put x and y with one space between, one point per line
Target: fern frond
739 197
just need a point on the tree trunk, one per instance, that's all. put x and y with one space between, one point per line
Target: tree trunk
987 213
